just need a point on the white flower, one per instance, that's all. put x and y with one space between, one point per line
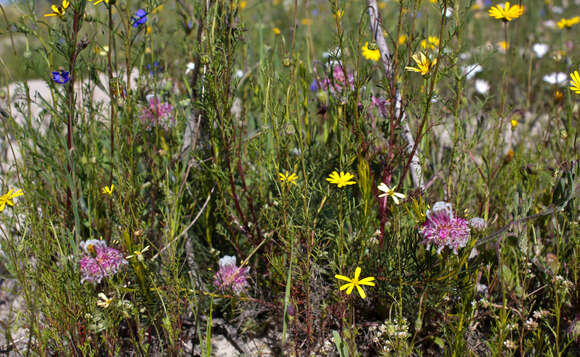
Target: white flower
471 70
540 49
551 24
239 73
227 260
481 86
105 301
556 78
390 192
189 67
557 10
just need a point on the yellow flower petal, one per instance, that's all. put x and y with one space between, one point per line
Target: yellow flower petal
361 292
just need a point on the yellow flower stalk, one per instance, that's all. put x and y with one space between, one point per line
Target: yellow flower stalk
342 179
59 10
424 65
8 198
574 83
355 283
506 12
371 52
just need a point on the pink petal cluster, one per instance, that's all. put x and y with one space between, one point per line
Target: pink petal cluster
229 276
157 114
338 81
443 229
99 261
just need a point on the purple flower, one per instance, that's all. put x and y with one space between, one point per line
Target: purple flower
60 77
99 261
313 86
229 276
338 82
140 18
443 229
157 114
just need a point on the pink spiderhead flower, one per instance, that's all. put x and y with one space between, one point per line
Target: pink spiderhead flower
443 229
338 81
230 276
157 114
99 261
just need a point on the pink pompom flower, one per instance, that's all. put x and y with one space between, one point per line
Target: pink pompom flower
157 114
229 276
99 261
443 229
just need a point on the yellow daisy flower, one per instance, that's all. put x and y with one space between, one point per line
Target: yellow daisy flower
371 52
424 65
506 12
431 42
568 23
287 177
355 283
342 179
7 199
108 190
59 10
574 83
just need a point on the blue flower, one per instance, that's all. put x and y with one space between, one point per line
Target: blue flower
155 69
60 77
140 18
313 86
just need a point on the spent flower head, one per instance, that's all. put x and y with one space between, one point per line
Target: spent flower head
355 282
506 12
342 179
